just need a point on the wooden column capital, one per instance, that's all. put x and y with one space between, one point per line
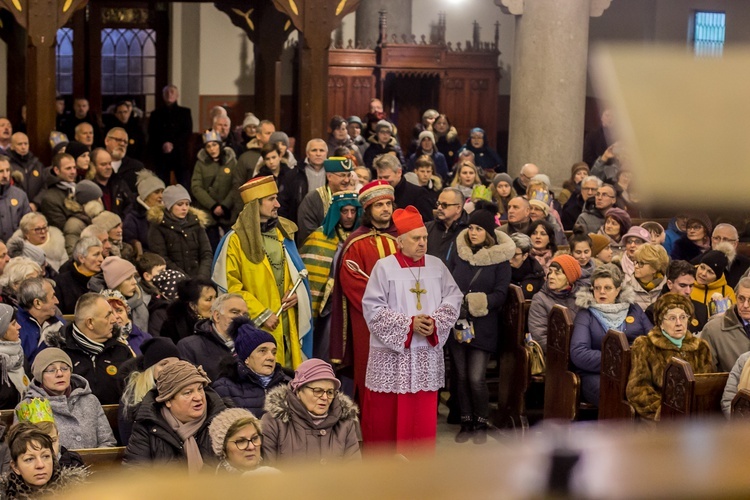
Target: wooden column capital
42 18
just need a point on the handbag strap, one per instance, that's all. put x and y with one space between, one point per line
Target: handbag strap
473 279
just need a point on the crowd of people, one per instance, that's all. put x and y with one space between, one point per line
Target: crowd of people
266 308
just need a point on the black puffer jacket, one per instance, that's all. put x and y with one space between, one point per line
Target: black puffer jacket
205 348
153 440
243 387
184 246
529 276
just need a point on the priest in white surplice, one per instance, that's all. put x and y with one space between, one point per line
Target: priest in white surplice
410 305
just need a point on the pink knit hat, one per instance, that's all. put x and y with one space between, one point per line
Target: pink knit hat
312 370
116 270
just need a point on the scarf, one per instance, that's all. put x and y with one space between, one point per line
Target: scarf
610 316
658 277
544 257
87 345
248 230
187 432
264 379
11 358
677 342
318 419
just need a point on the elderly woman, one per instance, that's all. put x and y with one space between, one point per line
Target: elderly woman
78 414
482 272
171 423
651 353
632 240
14 381
17 270
696 240
485 157
34 230
34 470
309 419
560 288
254 372
543 244
112 224
607 305
237 439
711 287
525 272
649 278
71 284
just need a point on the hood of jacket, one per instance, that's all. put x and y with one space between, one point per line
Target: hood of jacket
502 251
79 387
283 404
585 296
155 214
227 155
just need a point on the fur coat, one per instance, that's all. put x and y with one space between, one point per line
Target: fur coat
54 247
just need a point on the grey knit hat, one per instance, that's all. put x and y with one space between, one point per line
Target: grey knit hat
45 358
148 183
6 316
503 177
87 191
279 136
107 220
222 422
173 194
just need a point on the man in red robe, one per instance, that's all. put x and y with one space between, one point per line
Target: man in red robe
373 240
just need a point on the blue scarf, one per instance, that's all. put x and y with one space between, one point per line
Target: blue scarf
610 316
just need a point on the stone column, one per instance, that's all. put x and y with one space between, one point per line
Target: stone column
366 24
548 82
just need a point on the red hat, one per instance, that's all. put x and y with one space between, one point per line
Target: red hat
407 219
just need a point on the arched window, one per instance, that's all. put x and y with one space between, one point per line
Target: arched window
64 61
128 61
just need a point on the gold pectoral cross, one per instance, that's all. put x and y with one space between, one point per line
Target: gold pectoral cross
418 291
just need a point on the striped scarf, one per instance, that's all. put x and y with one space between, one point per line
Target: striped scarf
87 345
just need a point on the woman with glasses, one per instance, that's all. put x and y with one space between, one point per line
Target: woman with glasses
649 276
237 439
631 242
33 230
651 353
696 240
608 304
309 419
79 416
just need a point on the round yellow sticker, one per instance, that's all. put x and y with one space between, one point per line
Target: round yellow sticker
226 170
112 370
694 322
529 287
629 319
14 202
35 173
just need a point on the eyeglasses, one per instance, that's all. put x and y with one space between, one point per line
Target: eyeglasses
40 230
694 227
633 241
640 263
721 239
243 444
743 300
442 205
318 392
672 319
53 371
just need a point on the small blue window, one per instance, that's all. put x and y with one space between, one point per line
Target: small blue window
64 61
709 29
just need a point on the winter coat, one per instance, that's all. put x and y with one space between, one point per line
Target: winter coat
77 222
588 335
701 297
441 165
14 204
684 249
12 485
154 441
289 431
128 173
184 246
406 193
485 297
485 157
650 355
56 203
725 335
179 323
733 382
28 174
79 417
571 210
135 225
31 331
529 276
643 297
204 348
541 305
69 286
376 149
117 197
211 184
243 386
293 190
441 240
54 247
591 219
136 338
671 235
99 370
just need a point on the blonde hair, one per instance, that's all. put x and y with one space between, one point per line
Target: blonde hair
138 385
653 255
469 164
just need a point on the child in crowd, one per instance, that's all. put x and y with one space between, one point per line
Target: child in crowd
149 266
656 231
121 275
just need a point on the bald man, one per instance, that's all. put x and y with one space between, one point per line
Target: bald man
738 264
82 114
519 212
521 182
6 130
27 170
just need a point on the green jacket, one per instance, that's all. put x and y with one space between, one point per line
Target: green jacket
212 184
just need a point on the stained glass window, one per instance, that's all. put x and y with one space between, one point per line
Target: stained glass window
64 61
128 61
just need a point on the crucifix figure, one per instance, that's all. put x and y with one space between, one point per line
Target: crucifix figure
418 291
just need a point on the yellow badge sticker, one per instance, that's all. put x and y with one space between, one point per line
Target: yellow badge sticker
694 322
35 173
131 141
14 202
630 320
226 170
25 380
112 370
529 287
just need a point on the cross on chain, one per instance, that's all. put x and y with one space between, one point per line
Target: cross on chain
418 291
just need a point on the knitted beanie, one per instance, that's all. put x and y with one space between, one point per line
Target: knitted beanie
598 243
669 301
248 339
115 296
310 371
45 358
148 183
716 260
570 267
166 282
87 191
503 177
222 422
622 217
279 136
107 220
704 219
157 349
250 120
76 149
176 376
6 316
116 270
428 134
484 219
173 194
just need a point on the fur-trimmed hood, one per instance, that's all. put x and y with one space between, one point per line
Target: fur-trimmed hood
63 479
155 215
585 296
502 251
284 405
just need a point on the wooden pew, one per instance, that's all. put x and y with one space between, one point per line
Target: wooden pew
741 405
6 418
562 394
110 411
685 394
99 459
613 403
513 362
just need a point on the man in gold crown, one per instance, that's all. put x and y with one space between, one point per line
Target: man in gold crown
259 260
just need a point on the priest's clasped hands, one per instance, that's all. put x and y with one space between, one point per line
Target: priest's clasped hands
423 325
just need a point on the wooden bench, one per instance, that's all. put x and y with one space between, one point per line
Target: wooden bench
741 405
513 361
562 394
111 411
99 459
613 403
685 394
6 418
